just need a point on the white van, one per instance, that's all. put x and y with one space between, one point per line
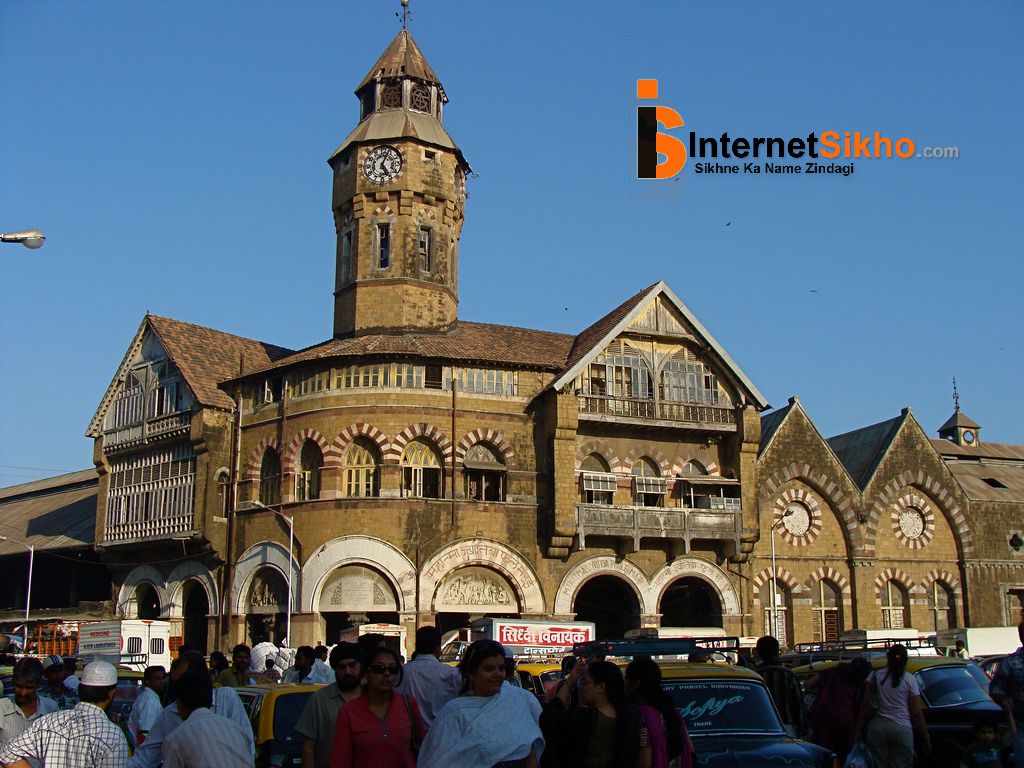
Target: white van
135 643
978 641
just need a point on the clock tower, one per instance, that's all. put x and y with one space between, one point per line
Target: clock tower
398 201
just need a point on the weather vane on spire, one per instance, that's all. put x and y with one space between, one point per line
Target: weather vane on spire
405 15
956 396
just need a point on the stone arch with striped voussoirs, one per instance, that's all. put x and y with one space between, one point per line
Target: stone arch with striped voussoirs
695 567
334 457
255 463
434 435
293 449
486 553
827 488
894 574
263 554
935 493
602 449
783 575
366 551
710 467
492 438
141 575
180 575
659 458
603 565
827 573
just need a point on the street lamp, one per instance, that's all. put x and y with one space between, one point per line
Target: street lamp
775 575
30 238
28 591
291 559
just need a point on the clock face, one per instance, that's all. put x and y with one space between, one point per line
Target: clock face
796 519
911 523
382 164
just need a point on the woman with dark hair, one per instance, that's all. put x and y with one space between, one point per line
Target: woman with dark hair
664 740
602 731
839 692
897 696
381 728
490 724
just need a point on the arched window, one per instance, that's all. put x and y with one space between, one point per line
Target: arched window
362 469
694 467
621 374
596 480
783 630
895 605
942 604
270 478
484 470
421 471
307 480
648 485
828 613
685 379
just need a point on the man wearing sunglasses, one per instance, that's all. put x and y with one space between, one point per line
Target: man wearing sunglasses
317 721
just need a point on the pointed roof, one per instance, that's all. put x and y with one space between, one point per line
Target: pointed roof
589 343
203 356
861 450
770 423
959 419
403 58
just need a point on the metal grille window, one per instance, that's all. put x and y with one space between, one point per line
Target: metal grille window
895 606
156 646
151 494
133 646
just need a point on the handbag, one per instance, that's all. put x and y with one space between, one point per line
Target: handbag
859 757
414 739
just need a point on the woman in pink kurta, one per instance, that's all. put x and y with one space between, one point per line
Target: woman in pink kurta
381 728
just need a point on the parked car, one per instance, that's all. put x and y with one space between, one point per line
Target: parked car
732 719
273 711
539 677
954 697
990 664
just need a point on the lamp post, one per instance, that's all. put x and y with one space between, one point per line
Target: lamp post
775 575
28 590
30 238
291 560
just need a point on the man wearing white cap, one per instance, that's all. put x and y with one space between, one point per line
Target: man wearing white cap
53 671
82 737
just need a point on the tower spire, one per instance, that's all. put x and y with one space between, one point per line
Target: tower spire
405 14
956 397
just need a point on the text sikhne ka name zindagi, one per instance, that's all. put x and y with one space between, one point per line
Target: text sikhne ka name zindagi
775 168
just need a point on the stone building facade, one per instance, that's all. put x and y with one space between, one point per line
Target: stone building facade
417 468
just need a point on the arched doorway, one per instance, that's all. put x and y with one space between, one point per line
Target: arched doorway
195 614
470 593
147 602
355 595
690 602
610 603
266 607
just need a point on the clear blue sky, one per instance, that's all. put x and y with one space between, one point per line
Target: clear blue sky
174 153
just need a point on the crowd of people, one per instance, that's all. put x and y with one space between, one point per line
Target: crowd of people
376 711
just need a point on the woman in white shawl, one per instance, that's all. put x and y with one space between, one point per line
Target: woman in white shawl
490 724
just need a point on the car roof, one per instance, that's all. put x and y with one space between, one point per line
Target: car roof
877 661
682 670
270 689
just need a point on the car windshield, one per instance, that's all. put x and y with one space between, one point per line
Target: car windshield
287 710
948 686
724 706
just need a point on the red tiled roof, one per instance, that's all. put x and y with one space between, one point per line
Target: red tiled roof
467 342
206 357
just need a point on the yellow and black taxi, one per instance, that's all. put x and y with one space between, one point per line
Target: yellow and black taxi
955 694
539 677
728 711
273 711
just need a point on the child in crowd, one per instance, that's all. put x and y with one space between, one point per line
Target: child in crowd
985 751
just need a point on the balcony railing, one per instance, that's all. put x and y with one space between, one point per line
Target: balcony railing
139 530
150 429
637 408
635 523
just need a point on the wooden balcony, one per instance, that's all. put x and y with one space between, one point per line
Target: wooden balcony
148 431
145 530
682 524
605 408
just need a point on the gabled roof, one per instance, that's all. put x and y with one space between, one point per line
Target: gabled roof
402 58
770 423
204 357
53 513
959 419
501 345
862 450
591 341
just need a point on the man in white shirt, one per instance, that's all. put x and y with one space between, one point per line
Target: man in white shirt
321 669
27 706
431 682
148 705
225 704
82 737
204 739
302 670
